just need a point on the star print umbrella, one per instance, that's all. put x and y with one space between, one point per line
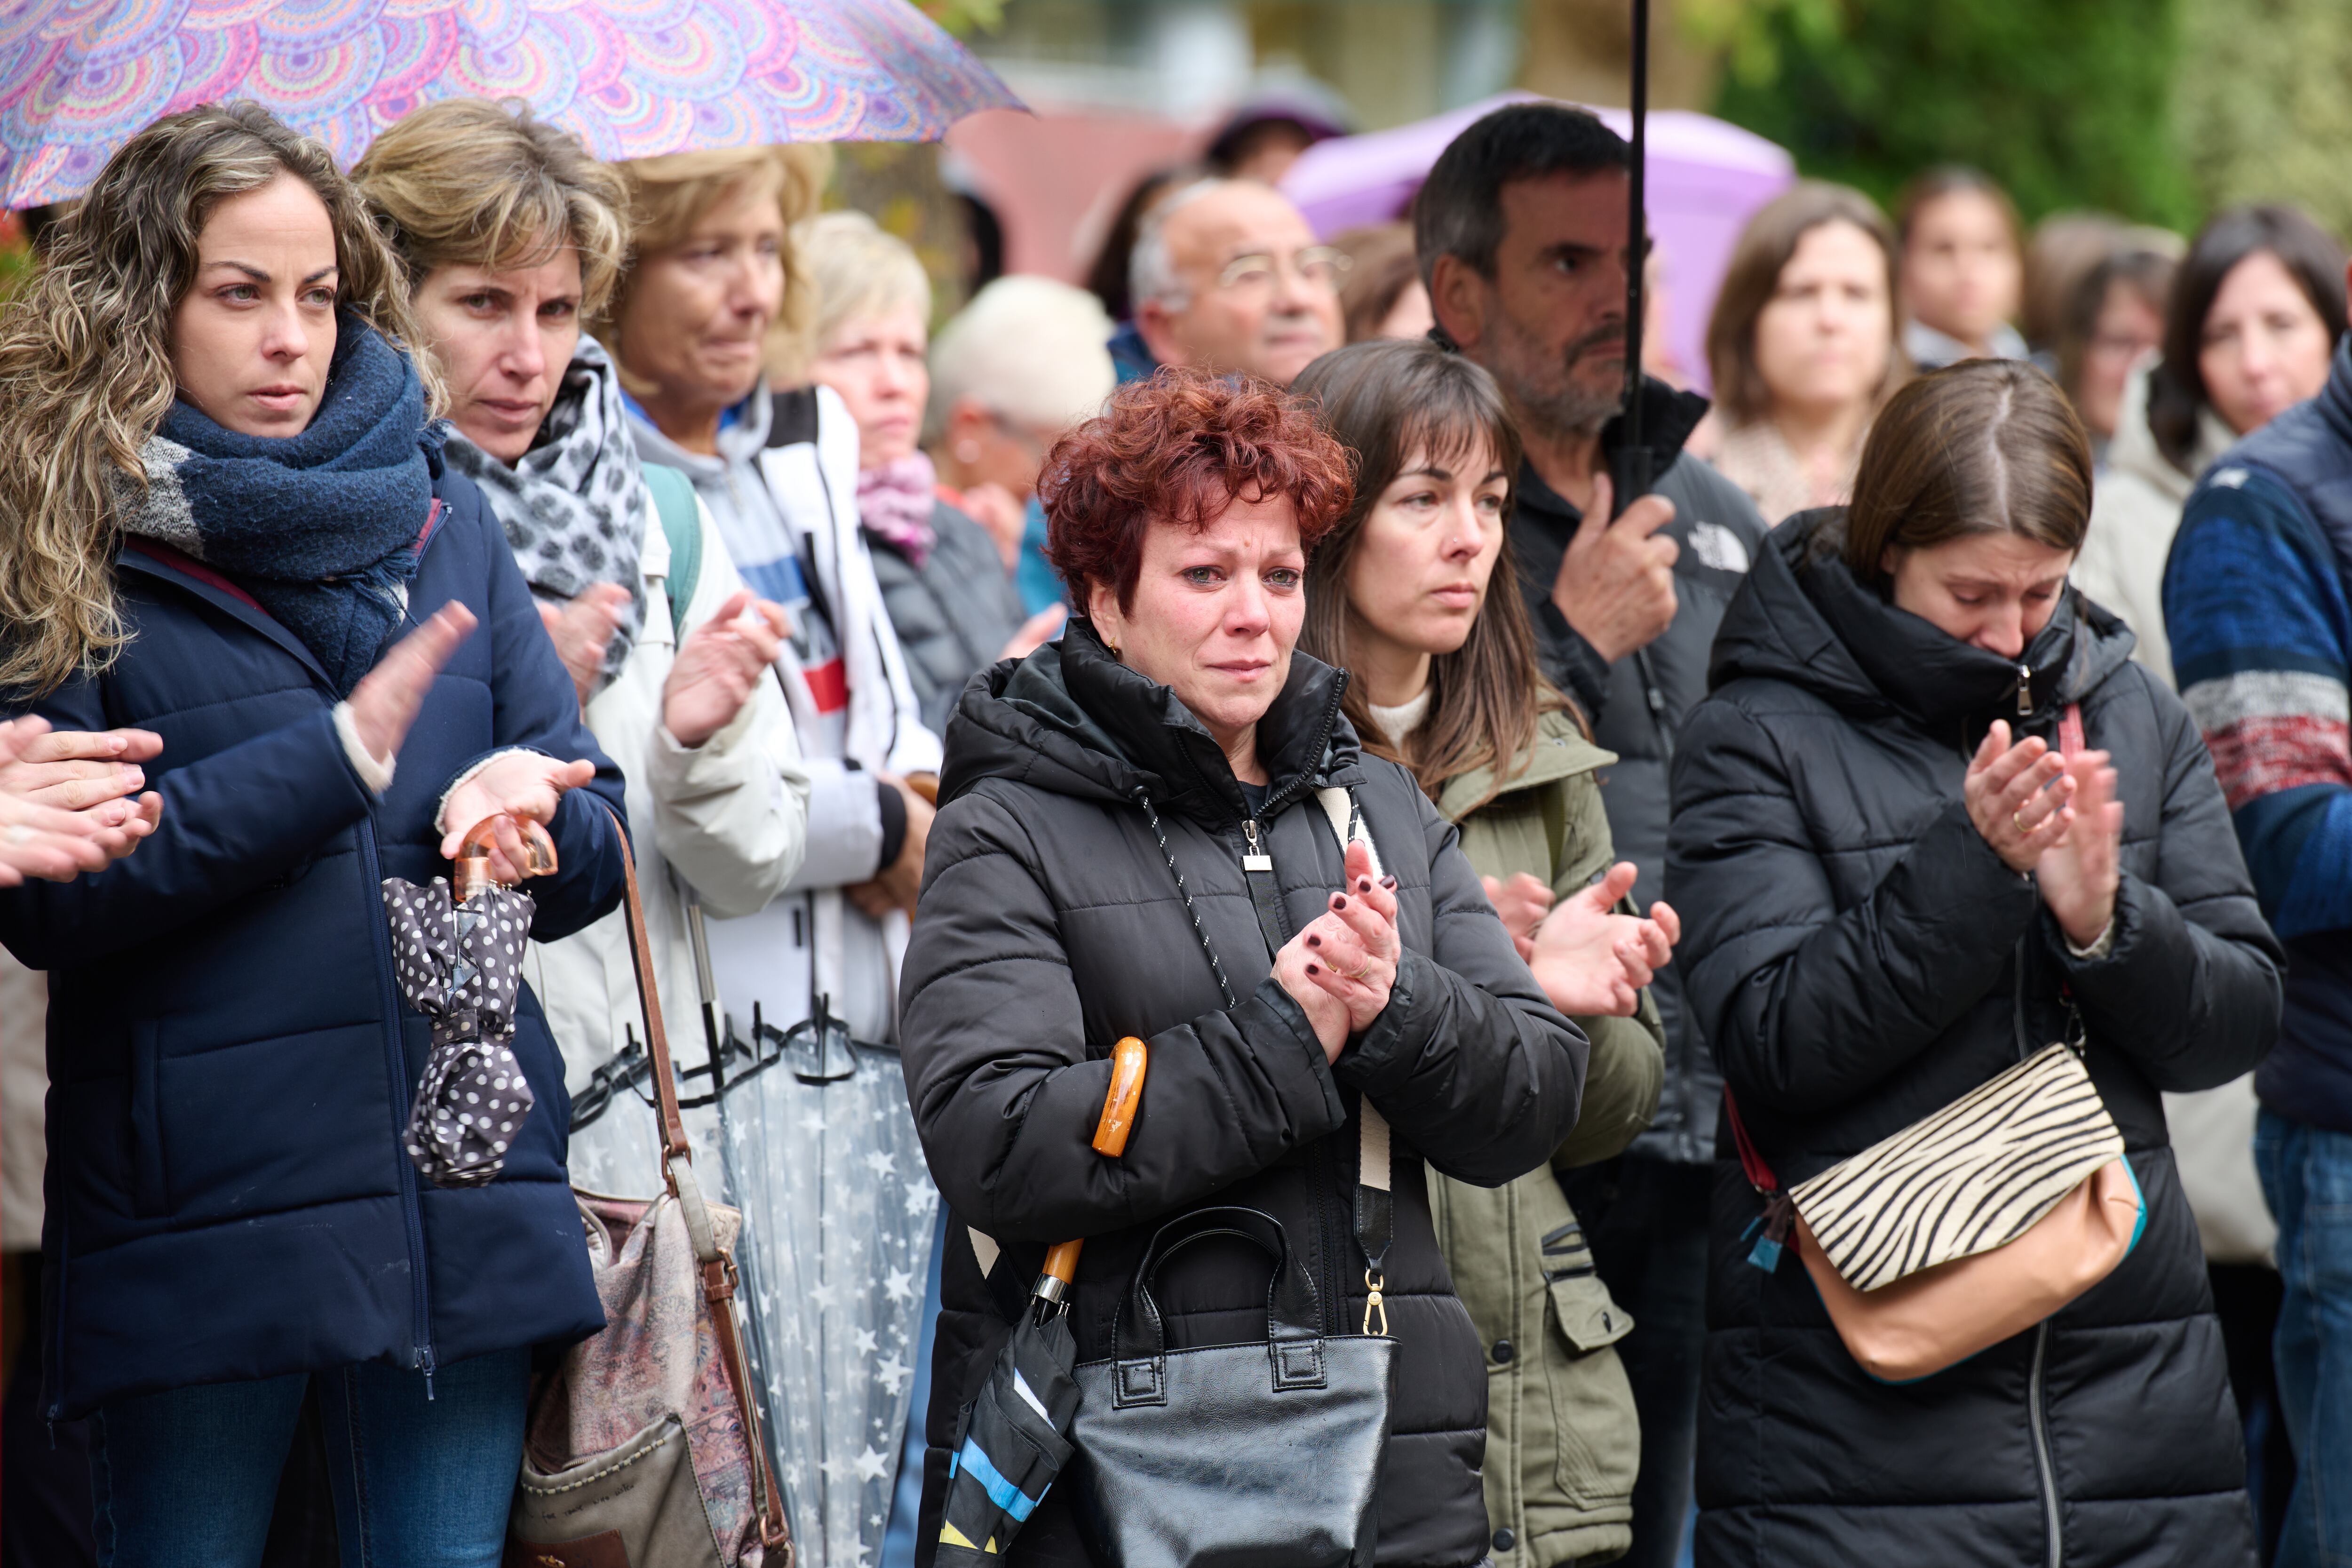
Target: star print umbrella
631 79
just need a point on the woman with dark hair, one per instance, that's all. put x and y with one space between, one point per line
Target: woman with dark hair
1412 595
2256 312
228 509
1963 268
1130 824
1803 346
1896 882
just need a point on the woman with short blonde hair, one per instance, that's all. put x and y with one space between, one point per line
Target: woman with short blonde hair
708 328
952 601
514 235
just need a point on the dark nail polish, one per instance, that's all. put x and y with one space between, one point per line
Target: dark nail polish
1315 942
1363 884
1311 969
1390 883
1338 900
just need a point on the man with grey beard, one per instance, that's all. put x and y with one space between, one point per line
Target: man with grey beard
1523 240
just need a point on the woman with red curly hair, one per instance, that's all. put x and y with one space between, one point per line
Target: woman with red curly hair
1131 821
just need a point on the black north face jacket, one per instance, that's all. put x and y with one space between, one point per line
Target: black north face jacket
1859 957
1050 925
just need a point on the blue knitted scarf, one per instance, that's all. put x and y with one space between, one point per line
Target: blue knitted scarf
320 527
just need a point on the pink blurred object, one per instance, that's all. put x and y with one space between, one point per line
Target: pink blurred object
1706 178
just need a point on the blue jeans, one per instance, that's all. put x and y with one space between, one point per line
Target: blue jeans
187 1478
2307 1179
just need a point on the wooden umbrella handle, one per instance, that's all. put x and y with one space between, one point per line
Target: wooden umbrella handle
472 858
1129 1061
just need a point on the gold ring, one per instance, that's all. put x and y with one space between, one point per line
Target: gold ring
2017 818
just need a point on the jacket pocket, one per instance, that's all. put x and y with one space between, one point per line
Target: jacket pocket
150 1194
1596 1436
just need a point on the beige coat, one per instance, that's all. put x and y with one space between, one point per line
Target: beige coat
1563 1443
729 820
2134 512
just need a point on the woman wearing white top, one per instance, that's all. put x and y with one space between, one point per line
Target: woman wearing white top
513 236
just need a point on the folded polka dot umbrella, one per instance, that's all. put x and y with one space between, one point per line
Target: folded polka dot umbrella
631 79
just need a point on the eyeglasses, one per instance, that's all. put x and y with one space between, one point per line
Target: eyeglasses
1317 266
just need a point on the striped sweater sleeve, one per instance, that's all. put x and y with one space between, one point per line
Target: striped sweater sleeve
2256 604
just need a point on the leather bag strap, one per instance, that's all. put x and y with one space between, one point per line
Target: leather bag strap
1375 1204
717 1269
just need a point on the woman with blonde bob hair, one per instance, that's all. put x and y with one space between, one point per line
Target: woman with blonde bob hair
513 236
711 315
1804 346
226 509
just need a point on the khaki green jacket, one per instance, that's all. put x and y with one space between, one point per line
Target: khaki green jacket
1562 1442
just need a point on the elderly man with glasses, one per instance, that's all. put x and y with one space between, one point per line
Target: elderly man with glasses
1228 276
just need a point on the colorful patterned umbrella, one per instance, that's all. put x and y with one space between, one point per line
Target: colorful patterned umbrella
632 78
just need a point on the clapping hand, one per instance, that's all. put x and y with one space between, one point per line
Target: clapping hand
2019 797
581 629
719 667
52 842
66 798
2078 875
1592 961
1340 967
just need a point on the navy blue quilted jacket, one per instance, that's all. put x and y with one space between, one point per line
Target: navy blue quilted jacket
230 1068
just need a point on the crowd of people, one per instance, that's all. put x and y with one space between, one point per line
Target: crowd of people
1970 675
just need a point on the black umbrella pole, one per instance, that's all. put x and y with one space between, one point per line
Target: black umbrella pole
1632 477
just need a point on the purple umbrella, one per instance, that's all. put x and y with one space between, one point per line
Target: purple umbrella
1705 179
631 79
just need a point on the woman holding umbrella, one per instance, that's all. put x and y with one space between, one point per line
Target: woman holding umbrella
1133 820
513 238
226 513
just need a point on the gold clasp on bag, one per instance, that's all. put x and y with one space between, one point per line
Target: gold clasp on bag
1374 1304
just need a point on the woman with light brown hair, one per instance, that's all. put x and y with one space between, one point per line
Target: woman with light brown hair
1931 819
1803 346
513 238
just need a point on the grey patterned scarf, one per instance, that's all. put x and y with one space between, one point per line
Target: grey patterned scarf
574 505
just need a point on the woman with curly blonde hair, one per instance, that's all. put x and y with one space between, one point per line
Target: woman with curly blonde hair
227 521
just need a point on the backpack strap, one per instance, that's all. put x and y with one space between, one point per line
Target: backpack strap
681 520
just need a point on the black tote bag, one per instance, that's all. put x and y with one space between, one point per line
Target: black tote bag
1249 1456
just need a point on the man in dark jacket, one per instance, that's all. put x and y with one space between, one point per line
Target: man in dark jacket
1521 231
2258 604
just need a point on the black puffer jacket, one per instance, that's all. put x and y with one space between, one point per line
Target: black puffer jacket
1859 957
1050 925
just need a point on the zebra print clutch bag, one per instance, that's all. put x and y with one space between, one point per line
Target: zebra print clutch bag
1976 1175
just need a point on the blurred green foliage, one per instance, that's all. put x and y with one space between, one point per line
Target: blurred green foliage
964 17
2067 102
2262 106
